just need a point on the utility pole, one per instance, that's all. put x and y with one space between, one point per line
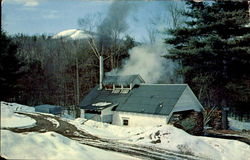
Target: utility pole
100 72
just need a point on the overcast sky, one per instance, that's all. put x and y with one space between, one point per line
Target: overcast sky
53 16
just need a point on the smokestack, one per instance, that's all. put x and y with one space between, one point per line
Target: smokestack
101 72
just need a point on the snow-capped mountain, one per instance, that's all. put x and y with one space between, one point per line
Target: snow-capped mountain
74 34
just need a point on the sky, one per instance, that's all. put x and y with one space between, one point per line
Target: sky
36 17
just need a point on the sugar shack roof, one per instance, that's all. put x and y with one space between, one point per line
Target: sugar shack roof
158 99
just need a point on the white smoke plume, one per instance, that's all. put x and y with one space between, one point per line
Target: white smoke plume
114 24
149 63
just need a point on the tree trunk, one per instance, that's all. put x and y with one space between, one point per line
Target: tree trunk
77 83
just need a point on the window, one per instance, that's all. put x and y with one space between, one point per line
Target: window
109 87
125 91
126 86
116 91
125 122
118 86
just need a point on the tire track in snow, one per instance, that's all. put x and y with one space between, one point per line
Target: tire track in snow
54 122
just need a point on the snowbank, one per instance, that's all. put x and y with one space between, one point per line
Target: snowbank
105 130
11 119
238 125
14 107
50 145
170 138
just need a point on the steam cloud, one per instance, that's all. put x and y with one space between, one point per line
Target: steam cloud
115 21
147 61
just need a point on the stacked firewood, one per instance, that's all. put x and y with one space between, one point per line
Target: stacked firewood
191 123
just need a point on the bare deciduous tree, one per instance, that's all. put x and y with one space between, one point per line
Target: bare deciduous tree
175 9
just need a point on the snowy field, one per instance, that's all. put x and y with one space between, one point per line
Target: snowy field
238 125
170 138
51 145
11 119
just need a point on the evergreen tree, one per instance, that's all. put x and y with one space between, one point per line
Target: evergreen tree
9 68
213 49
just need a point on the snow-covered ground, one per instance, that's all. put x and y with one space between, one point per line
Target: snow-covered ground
11 119
170 138
14 107
50 145
238 125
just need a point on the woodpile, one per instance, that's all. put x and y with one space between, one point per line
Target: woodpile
215 119
191 122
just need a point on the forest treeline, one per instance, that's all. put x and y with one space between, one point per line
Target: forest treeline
47 69
213 50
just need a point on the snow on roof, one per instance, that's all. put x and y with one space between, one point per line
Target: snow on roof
101 104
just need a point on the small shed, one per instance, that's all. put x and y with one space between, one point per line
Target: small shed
46 108
100 111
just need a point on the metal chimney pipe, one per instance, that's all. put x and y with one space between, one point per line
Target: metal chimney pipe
101 72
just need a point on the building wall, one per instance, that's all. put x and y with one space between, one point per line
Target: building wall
107 111
188 101
105 116
95 117
136 119
82 113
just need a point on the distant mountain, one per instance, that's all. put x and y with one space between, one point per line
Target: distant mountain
74 34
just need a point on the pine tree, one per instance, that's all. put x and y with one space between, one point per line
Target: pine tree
213 49
9 68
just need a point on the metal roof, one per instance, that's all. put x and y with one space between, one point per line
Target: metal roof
46 108
92 107
121 80
146 98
